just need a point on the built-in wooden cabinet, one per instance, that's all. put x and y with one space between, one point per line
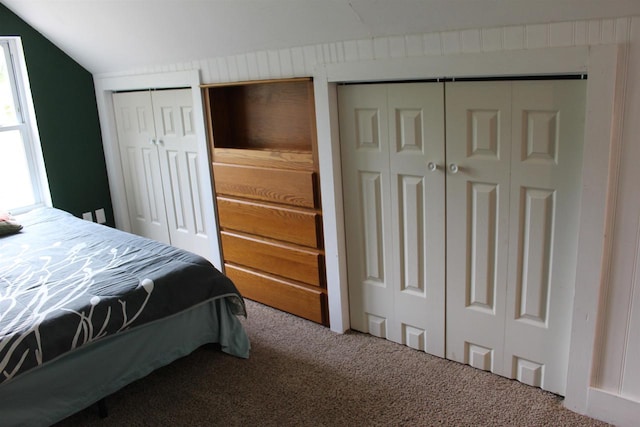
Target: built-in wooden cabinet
265 171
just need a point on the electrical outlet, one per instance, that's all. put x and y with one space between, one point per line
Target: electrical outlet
87 216
100 216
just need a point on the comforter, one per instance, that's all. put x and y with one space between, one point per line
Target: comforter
66 282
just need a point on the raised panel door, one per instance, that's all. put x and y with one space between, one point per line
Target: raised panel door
512 180
511 225
478 171
546 161
159 155
416 141
364 139
179 163
394 205
140 166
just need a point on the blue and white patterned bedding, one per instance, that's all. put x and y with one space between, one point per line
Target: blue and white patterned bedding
65 283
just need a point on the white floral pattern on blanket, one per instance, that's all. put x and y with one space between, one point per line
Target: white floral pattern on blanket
24 321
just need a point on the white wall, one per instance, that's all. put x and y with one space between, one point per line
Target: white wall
617 356
604 377
619 368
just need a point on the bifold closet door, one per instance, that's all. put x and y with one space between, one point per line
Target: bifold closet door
180 168
479 161
512 183
392 139
159 155
514 150
140 165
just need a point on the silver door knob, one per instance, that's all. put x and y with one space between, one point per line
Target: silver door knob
453 168
432 166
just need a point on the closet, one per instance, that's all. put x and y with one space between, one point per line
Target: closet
265 173
159 157
461 201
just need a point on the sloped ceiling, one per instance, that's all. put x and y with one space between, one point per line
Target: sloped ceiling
116 35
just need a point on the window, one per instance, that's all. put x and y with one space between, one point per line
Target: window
23 183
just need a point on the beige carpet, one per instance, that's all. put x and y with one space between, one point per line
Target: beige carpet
302 374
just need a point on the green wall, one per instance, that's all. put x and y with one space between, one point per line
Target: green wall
67 116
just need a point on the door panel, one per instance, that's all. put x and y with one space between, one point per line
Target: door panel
365 139
395 208
139 157
478 134
416 138
547 135
179 163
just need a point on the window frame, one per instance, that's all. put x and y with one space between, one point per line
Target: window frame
26 123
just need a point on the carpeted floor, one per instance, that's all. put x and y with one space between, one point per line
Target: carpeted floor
302 374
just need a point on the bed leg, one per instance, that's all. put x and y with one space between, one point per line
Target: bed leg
102 408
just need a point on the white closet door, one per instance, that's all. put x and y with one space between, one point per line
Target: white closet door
179 164
517 215
394 210
546 163
513 165
416 140
139 157
364 139
478 145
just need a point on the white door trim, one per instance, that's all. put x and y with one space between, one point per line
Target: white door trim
180 79
601 63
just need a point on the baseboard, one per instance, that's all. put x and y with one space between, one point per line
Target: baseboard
613 408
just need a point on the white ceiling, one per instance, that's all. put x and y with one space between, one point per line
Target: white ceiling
116 35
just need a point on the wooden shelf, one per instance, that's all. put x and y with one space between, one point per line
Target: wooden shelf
269 115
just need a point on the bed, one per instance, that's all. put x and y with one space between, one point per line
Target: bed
86 309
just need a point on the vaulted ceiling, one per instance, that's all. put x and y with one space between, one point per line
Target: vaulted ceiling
116 35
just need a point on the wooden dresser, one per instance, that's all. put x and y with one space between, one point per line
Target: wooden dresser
265 171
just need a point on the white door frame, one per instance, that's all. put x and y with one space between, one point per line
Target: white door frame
605 68
179 79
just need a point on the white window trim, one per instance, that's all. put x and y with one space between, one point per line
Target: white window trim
31 136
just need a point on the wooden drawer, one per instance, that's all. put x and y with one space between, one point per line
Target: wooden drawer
288 224
288 261
286 186
265 158
279 293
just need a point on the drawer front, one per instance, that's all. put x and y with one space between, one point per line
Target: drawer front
279 293
287 224
290 187
295 263
264 158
